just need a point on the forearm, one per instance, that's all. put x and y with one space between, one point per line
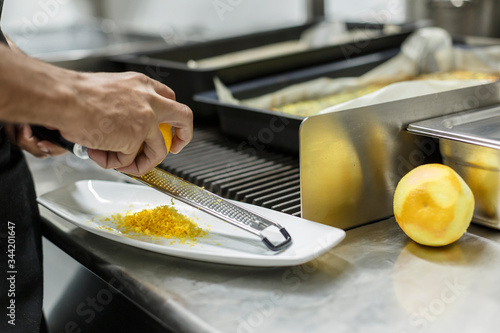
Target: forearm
113 114
32 91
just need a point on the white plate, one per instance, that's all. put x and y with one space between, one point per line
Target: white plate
86 203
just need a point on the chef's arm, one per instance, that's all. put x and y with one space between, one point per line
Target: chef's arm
113 114
28 89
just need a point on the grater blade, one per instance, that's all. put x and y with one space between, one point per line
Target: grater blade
214 205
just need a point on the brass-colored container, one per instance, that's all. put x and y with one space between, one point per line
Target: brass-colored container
480 168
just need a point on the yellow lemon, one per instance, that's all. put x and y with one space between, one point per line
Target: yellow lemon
166 131
433 205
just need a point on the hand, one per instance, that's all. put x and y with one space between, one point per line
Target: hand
114 114
21 136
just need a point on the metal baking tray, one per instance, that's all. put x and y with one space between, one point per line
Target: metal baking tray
479 127
169 65
261 128
469 142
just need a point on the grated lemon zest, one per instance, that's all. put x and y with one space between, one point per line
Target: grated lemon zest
161 221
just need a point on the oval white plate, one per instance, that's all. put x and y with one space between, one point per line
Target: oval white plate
87 203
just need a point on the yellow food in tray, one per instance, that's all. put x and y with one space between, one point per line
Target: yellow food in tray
161 221
313 106
458 75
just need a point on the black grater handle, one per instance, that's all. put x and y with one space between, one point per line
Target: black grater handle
55 137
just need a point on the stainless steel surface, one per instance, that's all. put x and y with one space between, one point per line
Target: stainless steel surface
376 280
352 160
217 206
480 127
474 153
480 168
466 17
459 17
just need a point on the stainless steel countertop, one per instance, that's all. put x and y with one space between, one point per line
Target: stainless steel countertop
376 280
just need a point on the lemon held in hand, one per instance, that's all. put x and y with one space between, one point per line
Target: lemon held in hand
433 205
166 131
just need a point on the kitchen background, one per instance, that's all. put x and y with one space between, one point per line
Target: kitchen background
31 23
28 21
177 21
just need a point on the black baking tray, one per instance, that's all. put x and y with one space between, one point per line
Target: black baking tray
169 65
261 129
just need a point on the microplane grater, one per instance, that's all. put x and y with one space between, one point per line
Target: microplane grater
188 193
214 205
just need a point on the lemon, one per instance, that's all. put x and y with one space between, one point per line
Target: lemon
166 131
433 205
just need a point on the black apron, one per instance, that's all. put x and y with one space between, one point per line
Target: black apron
21 284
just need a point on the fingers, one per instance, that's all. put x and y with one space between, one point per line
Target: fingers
50 148
163 90
110 159
100 157
136 105
153 152
180 117
37 147
168 111
23 137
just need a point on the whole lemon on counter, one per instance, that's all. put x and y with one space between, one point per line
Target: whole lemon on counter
433 205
